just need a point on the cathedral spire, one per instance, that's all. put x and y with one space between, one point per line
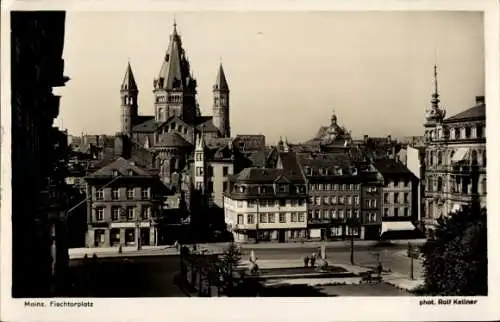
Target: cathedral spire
129 80
220 81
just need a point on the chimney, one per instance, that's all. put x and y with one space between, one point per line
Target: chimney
480 99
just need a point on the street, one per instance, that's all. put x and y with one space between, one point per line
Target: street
391 257
143 276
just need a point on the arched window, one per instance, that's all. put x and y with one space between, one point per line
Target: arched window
473 157
432 158
467 132
439 157
440 184
452 134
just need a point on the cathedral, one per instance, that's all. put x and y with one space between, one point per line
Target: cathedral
168 138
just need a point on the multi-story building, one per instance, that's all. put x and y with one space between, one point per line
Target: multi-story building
370 223
334 188
399 198
123 204
39 248
455 159
266 205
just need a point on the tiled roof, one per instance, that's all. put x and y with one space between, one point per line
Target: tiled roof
476 112
258 175
212 143
123 167
390 166
257 158
207 126
148 124
290 164
172 139
319 162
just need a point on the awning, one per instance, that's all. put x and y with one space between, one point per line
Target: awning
397 226
460 154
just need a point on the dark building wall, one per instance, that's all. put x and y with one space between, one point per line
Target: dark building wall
37 40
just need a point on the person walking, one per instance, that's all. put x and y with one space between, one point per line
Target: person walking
313 259
306 261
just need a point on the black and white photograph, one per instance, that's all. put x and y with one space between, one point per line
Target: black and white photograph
164 154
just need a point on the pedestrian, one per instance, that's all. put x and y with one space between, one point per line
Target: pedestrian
120 249
313 259
306 261
379 269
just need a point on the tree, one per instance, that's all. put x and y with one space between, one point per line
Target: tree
455 259
230 259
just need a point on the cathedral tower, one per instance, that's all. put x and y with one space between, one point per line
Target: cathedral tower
221 104
175 88
128 93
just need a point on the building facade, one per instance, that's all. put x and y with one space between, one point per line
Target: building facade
39 245
455 159
399 198
123 205
266 205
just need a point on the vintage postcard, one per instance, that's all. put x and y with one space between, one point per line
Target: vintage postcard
291 160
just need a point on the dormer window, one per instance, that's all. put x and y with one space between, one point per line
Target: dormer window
339 171
308 171
282 187
131 173
241 189
115 173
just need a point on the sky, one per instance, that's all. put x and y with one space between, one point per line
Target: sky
287 71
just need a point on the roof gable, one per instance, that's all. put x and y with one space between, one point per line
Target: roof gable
123 166
476 112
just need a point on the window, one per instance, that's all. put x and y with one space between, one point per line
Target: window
145 212
484 186
323 187
240 219
115 194
349 200
373 217
341 214
335 200
199 171
294 217
440 184
282 188
356 213
239 204
326 200
301 217
301 202
210 171
99 195
270 218
317 201
282 202
386 212
348 213
467 132
396 183
199 156
406 212
308 171
263 218
115 173
99 214
224 186
406 197
130 213
386 197
341 200
282 218
250 219
316 213
479 132
251 203
115 213
225 171
210 186
145 193
333 214
356 200
130 193
131 173
396 197
396 212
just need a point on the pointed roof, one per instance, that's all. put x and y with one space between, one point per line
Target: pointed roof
174 71
200 143
123 166
172 139
129 80
220 81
